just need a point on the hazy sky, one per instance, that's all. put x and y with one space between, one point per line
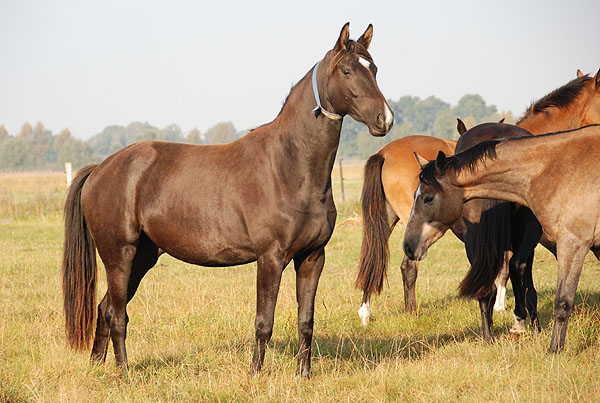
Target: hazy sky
88 64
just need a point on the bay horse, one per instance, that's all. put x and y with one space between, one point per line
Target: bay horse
391 180
554 175
265 197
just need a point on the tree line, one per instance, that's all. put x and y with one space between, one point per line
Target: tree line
37 148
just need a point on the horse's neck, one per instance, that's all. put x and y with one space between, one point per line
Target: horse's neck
311 142
506 177
555 119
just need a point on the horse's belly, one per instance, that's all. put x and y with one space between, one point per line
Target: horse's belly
207 245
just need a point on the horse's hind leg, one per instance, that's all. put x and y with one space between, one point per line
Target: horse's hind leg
145 258
501 282
308 272
102 333
486 306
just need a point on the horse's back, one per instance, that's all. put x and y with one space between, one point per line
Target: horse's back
400 171
181 196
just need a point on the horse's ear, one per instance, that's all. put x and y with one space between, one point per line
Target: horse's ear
579 73
501 120
440 161
343 39
365 39
597 79
461 126
420 160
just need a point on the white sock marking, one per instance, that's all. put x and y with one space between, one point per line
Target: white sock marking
364 312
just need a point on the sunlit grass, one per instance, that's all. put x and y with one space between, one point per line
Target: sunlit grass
191 330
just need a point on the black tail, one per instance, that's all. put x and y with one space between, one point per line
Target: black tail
78 268
374 253
491 240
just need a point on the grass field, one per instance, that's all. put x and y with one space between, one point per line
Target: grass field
191 329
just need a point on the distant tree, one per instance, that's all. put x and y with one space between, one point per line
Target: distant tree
194 137
426 112
26 132
222 132
172 133
445 125
348 147
41 150
404 109
70 149
149 134
3 134
15 155
474 105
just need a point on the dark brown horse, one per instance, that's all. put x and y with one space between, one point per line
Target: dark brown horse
390 183
554 175
265 197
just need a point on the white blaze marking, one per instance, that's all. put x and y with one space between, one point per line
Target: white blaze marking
364 312
389 116
417 194
365 62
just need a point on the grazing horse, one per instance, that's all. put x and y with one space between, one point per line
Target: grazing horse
265 197
514 229
554 175
390 183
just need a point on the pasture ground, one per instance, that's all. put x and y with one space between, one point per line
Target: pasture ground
191 329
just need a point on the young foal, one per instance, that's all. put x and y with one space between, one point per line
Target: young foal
265 197
555 175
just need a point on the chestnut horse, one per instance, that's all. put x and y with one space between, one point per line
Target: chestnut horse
265 197
554 175
573 105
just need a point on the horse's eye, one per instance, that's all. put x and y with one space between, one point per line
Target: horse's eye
346 72
428 199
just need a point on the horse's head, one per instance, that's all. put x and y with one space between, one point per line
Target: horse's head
348 85
591 111
437 206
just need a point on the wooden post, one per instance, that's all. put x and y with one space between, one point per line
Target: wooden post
342 181
69 172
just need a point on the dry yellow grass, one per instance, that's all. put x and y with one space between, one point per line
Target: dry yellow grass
191 331
31 194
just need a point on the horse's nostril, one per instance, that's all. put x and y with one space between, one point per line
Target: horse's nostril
408 250
380 120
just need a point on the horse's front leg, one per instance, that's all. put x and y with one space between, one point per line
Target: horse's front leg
410 269
268 277
570 262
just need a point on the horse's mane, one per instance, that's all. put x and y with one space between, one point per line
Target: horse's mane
351 47
560 97
465 160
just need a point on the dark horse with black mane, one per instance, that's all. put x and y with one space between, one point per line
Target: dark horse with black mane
265 197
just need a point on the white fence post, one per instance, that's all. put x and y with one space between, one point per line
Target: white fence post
69 172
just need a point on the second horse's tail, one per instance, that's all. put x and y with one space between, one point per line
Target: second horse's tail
491 240
374 253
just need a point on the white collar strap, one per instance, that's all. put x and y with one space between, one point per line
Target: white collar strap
319 109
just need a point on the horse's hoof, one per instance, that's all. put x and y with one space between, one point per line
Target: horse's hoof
516 332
